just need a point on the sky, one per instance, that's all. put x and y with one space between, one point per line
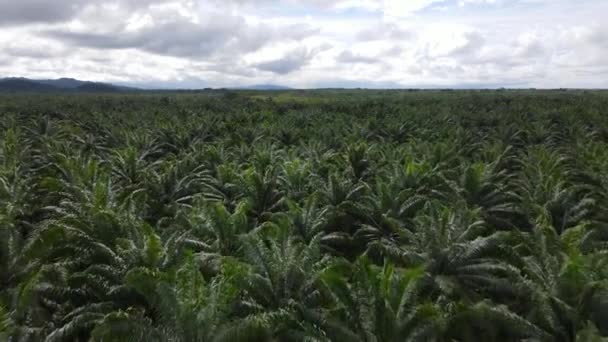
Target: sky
309 43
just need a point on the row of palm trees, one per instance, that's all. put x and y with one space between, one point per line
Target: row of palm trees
137 218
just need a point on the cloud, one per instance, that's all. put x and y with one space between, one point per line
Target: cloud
290 62
33 51
404 8
323 4
25 12
227 34
476 2
349 57
598 36
37 11
474 41
394 51
390 31
237 42
529 47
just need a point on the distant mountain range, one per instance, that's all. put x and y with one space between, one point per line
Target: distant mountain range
20 84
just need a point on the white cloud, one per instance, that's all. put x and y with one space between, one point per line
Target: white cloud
404 8
308 43
476 2
350 57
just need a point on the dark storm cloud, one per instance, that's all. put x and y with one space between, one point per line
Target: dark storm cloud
290 62
349 57
182 38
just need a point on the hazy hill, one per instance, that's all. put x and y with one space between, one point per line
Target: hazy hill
23 84
20 84
69 83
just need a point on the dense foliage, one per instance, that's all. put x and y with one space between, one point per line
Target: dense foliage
304 216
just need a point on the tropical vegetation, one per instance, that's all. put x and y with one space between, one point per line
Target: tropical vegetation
304 216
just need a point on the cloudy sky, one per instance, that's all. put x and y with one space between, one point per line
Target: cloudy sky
309 43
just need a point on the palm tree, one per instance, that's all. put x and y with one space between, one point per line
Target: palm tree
567 287
185 307
262 192
388 207
174 185
295 178
341 200
213 232
74 265
83 293
356 157
486 186
460 254
6 324
305 221
281 287
129 166
545 189
377 304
